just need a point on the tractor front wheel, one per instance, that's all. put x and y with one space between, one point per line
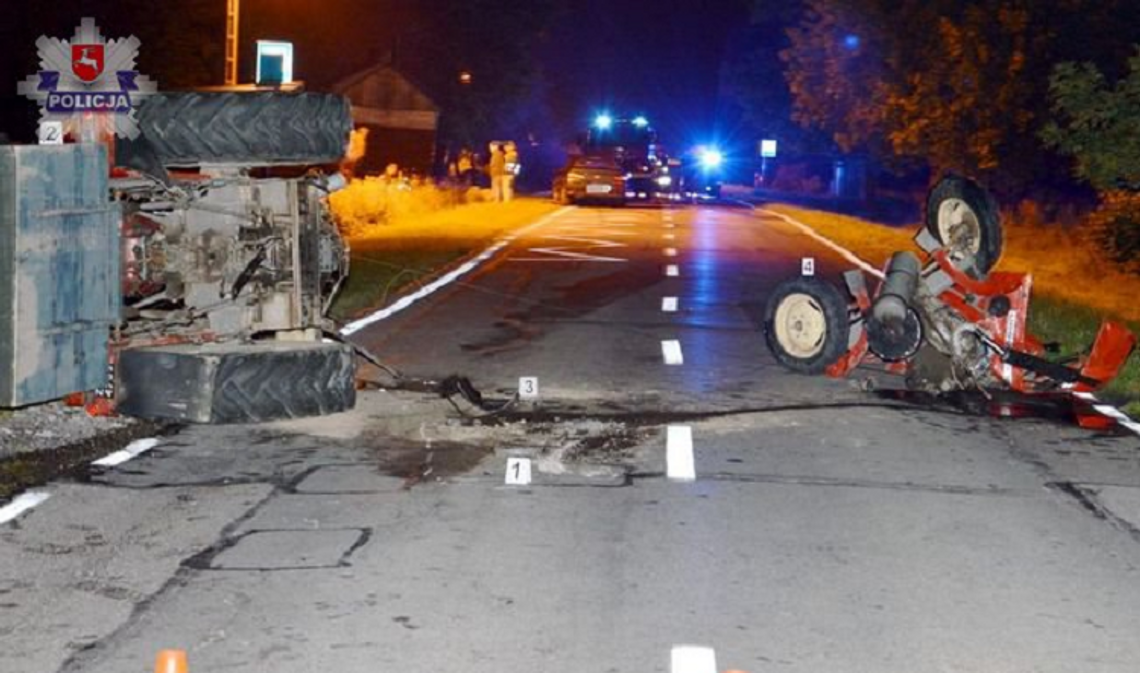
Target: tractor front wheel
806 324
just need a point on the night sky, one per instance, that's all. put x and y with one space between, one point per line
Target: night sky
660 58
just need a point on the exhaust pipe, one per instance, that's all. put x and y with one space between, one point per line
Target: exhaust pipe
894 331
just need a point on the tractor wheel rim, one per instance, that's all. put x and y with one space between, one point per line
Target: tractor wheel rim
958 227
801 325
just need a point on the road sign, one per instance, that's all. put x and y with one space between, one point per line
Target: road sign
274 62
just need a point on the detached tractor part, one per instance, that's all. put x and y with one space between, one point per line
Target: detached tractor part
945 323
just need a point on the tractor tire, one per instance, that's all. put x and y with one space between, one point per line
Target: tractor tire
806 324
237 383
965 219
246 129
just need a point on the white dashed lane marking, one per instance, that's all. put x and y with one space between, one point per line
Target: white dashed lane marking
669 304
692 659
670 252
672 271
22 503
671 352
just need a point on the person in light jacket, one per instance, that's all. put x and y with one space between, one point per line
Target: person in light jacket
511 156
497 168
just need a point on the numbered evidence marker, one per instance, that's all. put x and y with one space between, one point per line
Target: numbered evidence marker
51 133
807 266
518 471
528 387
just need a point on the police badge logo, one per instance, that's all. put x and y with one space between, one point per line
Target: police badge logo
89 74
87 61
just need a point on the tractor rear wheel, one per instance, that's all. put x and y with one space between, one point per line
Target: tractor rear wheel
966 221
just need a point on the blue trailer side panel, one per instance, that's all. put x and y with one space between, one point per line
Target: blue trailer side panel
59 271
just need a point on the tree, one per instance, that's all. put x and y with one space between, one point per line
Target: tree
1097 124
961 85
970 107
756 83
836 71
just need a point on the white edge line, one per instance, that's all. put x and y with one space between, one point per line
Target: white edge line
132 450
448 278
22 503
671 352
679 462
812 233
1110 411
669 304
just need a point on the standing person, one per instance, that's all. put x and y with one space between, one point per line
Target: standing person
511 156
466 166
497 168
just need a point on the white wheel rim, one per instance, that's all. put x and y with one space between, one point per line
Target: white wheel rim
958 226
801 325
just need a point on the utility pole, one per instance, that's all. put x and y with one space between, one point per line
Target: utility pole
233 11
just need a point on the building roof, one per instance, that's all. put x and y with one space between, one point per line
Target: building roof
382 87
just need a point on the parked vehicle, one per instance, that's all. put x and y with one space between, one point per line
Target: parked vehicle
633 146
589 179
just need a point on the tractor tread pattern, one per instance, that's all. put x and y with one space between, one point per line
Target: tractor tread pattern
246 128
260 388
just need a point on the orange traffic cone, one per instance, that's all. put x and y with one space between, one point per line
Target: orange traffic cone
170 661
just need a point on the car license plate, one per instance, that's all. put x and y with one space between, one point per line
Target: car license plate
599 189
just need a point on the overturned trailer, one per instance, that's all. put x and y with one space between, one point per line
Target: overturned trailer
187 277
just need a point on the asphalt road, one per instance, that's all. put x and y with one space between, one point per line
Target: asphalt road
826 529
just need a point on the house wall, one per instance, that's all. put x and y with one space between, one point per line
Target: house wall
401 122
412 150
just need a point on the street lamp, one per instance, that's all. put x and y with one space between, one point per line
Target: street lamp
233 11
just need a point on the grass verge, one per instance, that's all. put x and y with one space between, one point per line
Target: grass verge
1075 286
389 259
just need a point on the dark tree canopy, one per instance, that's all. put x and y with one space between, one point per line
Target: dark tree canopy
1098 124
957 85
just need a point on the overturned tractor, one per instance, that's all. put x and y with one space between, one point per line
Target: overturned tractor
185 274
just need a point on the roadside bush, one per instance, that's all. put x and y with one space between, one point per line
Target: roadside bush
1116 226
376 201
795 179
